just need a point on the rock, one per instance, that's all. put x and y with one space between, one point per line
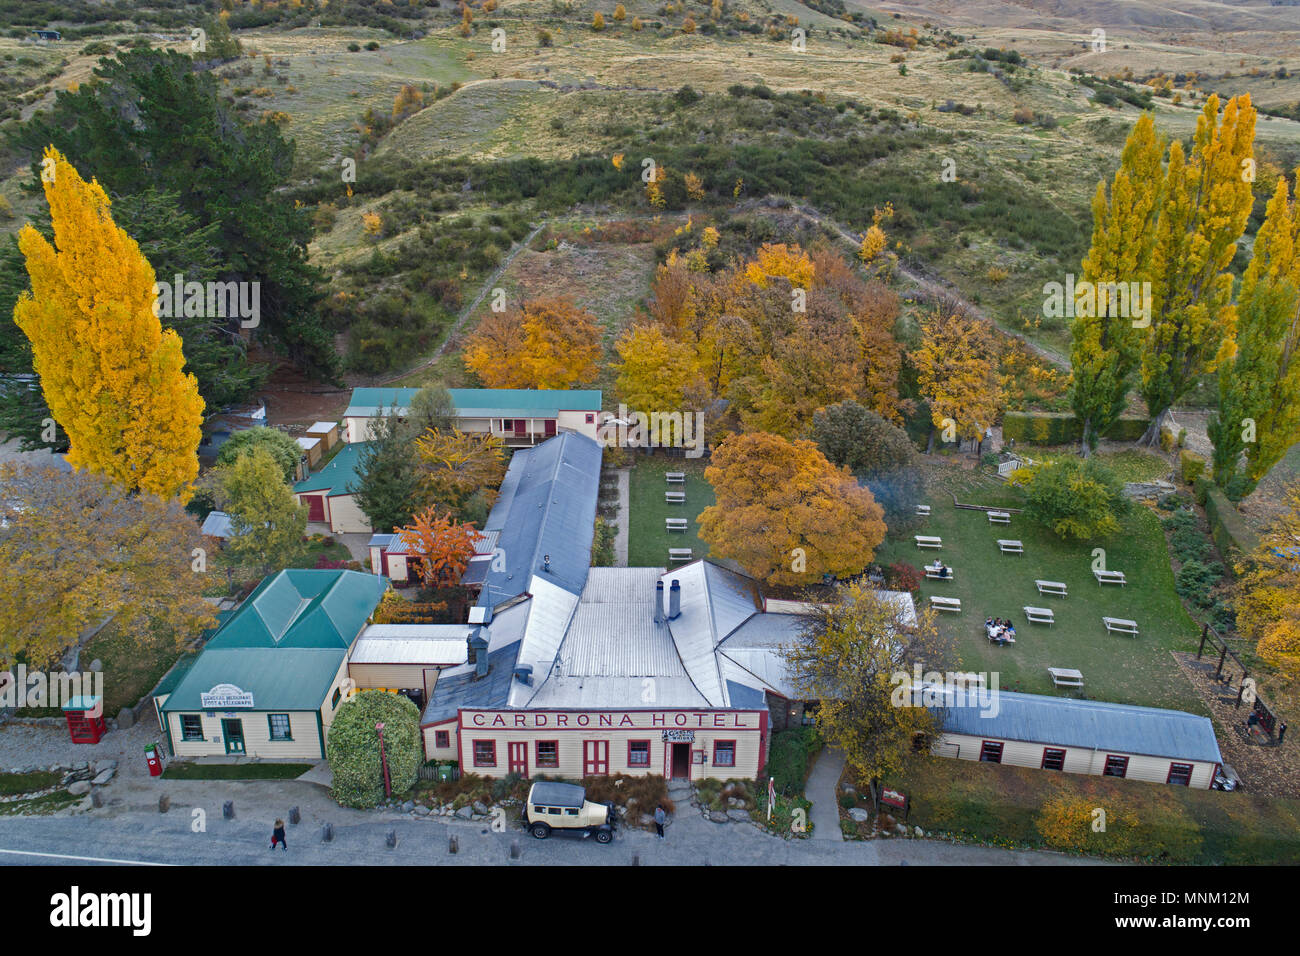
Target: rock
79 788
735 802
717 816
918 831
103 777
84 765
465 813
101 765
422 811
479 806
850 789
408 806
96 666
901 829
858 815
741 816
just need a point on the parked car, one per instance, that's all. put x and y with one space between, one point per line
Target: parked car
564 807
1225 778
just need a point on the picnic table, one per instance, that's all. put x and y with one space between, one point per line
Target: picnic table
675 477
1040 615
675 497
1118 625
1056 588
675 524
939 574
1008 546
1065 676
928 541
945 603
1110 577
680 554
998 635
923 511
999 517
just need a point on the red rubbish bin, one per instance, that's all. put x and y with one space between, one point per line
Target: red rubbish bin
154 761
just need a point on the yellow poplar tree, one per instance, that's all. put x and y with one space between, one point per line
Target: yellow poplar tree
957 369
112 377
655 370
1268 592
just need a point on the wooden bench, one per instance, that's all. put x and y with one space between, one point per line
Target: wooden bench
1040 615
999 517
1117 625
925 541
675 524
1056 588
923 511
1065 677
675 497
1010 547
1110 577
945 603
675 477
936 574
680 554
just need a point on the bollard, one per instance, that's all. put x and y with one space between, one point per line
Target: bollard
391 839
514 849
228 809
636 859
97 797
327 833
453 845
164 803
294 815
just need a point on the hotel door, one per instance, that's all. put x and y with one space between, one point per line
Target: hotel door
517 753
681 761
595 758
233 730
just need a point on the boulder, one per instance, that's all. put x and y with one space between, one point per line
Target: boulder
422 811
100 766
408 806
79 788
858 815
901 829
103 777
480 807
917 831
717 816
740 816
465 813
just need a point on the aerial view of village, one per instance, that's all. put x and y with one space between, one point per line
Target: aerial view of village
664 433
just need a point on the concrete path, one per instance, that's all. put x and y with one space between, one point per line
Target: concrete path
820 789
624 516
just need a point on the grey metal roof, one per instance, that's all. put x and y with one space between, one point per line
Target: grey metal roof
547 506
552 794
460 687
217 525
430 644
714 602
1115 728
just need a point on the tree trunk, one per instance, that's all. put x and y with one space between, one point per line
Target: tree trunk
1084 449
1151 438
929 446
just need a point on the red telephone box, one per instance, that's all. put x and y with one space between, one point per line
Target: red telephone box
85 716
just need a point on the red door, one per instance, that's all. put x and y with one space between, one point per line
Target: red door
595 758
315 507
517 758
550 427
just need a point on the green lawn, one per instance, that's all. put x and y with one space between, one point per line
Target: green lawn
235 771
648 540
990 584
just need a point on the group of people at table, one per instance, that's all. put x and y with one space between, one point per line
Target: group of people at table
1000 631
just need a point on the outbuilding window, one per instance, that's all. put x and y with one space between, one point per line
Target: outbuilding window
1180 774
724 753
548 754
279 724
442 739
485 753
991 751
1115 766
338 695
638 753
191 727
1053 758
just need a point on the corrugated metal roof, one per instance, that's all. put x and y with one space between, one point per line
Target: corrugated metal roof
1116 728
549 613
459 687
303 608
479 402
339 476
296 678
431 644
714 602
217 525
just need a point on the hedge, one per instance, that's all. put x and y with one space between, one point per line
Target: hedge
1061 428
1226 525
353 747
1190 466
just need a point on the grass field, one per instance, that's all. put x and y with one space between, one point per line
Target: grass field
648 541
990 584
235 771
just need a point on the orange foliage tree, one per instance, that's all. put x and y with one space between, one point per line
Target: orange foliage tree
443 545
549 343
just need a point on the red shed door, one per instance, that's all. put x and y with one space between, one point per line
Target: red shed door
517 754
315 507
595 758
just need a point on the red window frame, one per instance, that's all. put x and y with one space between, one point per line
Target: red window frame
1121 763
638 743
546 763
475 744
718 763
442 739
1054 752
990 747
1186 773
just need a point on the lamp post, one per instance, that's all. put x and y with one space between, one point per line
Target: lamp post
383 759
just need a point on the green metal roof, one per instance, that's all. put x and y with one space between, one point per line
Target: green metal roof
339 475
280 679
303 608
479 402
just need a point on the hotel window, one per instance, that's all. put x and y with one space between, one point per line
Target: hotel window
638 753
279 726
1053 759
1115 766
1180 774
485 753
442 739
724 753
191 727
991 751
548 754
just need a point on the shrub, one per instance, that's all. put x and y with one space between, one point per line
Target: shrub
1076 498
788 761
1190 466
902 576
1195 581
353 747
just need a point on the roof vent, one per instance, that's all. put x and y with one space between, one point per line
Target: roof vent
524 674
659 602
675 600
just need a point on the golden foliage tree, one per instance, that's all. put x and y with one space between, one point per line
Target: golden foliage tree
112 377
549 343
459 464
442 544
1268 592
789 262
654 370
957 370
785 513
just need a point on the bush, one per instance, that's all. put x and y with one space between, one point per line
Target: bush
1076 498
1195 580
788 761
353 747
901 576
1061 428
1190 466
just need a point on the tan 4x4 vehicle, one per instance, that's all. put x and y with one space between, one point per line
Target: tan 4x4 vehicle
564 807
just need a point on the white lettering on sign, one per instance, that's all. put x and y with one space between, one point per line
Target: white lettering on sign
678 721
680 736
225 696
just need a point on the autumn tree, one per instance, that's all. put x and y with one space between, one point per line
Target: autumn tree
957 369
1268 592
1206 200
549 343
112 377
442 544
654 370
462 470
1106 348
786 514
1076 498
1259 388
854 655
789 262
77 550
267 522
880 453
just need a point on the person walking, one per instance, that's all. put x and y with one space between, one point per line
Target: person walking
277 836
660 819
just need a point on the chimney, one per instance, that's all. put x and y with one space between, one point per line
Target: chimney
524 674
659 602
675 600
478 652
